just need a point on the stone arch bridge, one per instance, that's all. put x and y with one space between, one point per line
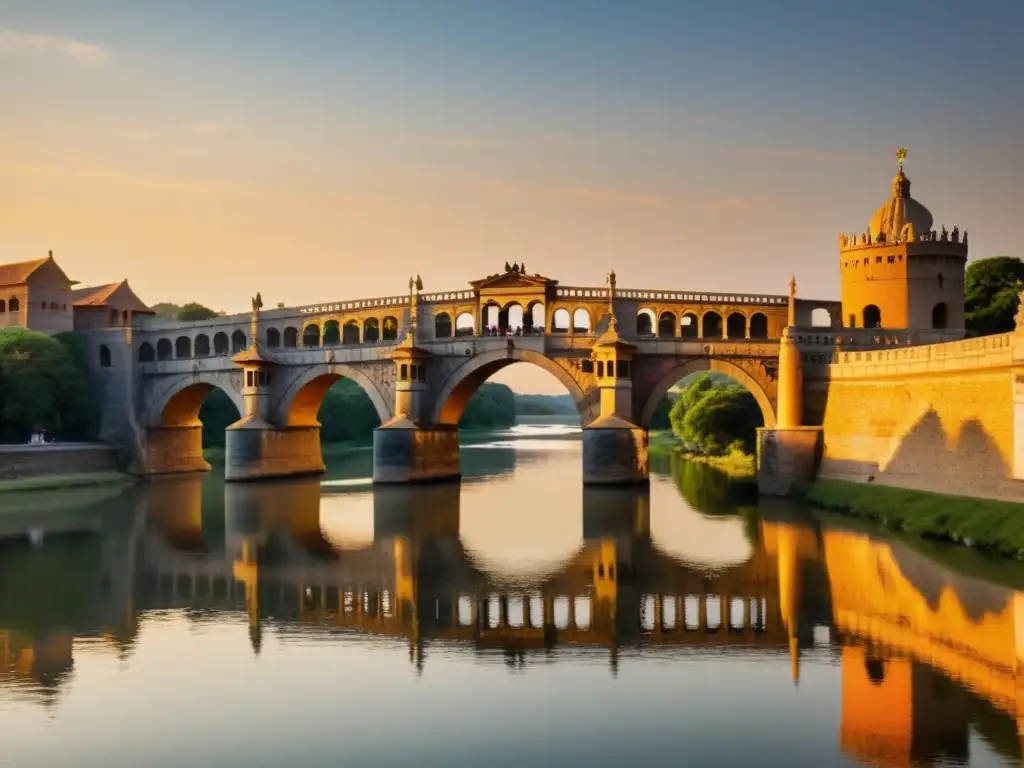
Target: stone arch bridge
420 357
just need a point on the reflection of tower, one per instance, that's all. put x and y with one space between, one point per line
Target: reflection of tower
422 526
789 590
900 713
615 521
246 570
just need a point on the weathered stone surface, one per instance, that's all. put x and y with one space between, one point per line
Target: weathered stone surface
173 449
261 453
407 454
786 459
615 455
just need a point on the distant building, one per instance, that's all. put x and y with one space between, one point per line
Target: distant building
106 306
39 295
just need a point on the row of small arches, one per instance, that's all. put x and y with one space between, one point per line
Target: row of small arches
12 304
184 347
706 326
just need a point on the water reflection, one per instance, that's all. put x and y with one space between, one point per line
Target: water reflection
925 655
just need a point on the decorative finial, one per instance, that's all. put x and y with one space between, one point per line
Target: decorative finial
412 283
901 155
612 320
419 283
791 318
792 286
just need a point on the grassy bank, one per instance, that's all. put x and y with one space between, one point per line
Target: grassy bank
735 464
993 526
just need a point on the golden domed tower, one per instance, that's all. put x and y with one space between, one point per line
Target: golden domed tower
901 273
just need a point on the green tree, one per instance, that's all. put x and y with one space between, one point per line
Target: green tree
991 290
711 416
492 407
192 312
42 387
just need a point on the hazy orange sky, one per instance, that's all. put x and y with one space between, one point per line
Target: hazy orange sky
318 151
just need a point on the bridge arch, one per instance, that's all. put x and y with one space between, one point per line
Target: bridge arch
465 380
300 403
698 365
178 404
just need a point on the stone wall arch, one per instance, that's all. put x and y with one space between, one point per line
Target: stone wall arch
696 365
177 403
305 393
465 380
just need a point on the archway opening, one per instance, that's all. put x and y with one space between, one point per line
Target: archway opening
464 325
389 329
533 320
821 318
311 335
350 333
711 326
371 330
758 326
500 392
560 321
331 334
341 408
872 316
442 325
940 316
667 325
736 326
581 321
202 404
689 326
709 407
645 322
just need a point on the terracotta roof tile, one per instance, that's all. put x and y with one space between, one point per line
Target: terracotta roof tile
14 274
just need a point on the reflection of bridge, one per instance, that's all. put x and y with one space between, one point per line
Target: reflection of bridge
420 357
924 651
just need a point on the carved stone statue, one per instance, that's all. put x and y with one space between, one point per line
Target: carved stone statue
944 235
419 283
956 234
257 302
964 241
508 267
515 267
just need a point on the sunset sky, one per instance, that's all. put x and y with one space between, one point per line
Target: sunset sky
318 151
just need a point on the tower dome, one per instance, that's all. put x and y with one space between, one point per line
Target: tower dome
901 209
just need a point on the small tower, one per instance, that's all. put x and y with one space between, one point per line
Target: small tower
901 273
614 448
410 365
256 373
791 378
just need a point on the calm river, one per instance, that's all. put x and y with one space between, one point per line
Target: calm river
512 620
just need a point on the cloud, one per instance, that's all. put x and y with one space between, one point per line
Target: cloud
206 129
15 43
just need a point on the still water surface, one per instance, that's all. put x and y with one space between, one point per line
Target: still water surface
514 619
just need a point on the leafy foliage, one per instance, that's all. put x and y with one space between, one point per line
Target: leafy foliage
712 417
44 384
991 289
193 311
493 406
545 405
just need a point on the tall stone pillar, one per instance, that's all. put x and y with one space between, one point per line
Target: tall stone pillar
406 449
614 448
257 449
787 454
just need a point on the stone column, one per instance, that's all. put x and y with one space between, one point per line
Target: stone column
787 454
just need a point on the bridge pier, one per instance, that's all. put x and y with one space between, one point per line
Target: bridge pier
170 450
404 452
614 453
258 451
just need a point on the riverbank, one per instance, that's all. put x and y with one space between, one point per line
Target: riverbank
991 526
736 464
57 466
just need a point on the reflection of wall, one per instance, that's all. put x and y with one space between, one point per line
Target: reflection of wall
900 713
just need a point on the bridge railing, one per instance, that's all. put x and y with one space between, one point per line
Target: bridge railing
382 302
684 297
